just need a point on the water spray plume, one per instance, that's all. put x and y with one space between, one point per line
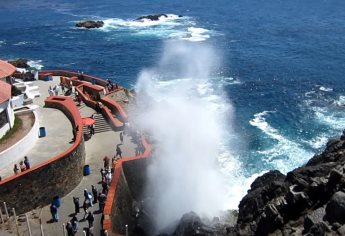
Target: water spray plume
183 175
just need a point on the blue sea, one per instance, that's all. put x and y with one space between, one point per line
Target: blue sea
281 65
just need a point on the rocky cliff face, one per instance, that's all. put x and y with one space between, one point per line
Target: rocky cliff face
309 200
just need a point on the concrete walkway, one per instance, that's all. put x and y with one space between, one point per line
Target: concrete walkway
102 144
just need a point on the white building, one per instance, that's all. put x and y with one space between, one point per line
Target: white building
6 111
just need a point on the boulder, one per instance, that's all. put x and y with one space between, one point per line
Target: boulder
20 63
313 218
89 24
265 188
151 17
335 209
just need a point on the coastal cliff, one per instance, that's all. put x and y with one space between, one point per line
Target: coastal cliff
309 200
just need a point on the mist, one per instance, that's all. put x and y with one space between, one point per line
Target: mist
176 108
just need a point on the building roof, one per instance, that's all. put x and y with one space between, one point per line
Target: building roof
6 69
5 91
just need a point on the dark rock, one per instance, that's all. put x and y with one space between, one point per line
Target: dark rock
319 229
89 24
341 230
314 218
335 209
191 224
263 189
20 63
151 17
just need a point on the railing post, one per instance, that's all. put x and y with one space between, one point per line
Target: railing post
15 221
64 229
41 226
28 224
2 217
6 211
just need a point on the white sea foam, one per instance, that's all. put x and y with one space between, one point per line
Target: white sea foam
196 34
325 89
284 154
2 42
335 120
171 27
340 101
230 81
318 142
117 23
36 64
20 43
309 94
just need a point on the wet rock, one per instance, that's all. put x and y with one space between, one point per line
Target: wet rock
89 24
20 63
335 209
151 17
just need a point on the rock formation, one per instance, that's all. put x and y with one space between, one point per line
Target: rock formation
89 24
20 63
309 200
151 17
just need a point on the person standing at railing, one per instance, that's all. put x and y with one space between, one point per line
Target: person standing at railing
26 162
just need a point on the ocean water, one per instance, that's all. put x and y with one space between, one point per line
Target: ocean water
281 66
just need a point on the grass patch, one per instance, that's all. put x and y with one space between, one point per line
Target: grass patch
17 125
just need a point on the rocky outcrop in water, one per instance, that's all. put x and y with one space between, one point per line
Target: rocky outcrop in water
151 17
89 24
20 63
309 200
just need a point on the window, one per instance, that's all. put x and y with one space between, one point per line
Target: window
3 118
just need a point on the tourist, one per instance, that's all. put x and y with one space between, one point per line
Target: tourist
94 193
105 187
88 196
118 151
74 222
69 229
101 201
56 89
54 212
16 169
86 206
92 129
75 130
76 205
108 177
62 87
121 137
22 166
90 219
103 172
113 163
50 91
106 162
26 162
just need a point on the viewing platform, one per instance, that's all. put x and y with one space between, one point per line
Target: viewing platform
58 139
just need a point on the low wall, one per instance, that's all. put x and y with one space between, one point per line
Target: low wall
66 73
59 175
16 152
115 108
118 207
